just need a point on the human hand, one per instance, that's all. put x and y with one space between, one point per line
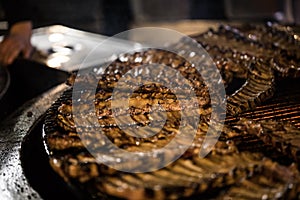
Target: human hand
16 43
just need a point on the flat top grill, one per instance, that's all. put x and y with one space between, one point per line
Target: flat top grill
20 180
284 106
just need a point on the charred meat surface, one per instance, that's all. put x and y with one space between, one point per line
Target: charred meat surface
274 45
259 86
229 164
252 159
236 50
281 135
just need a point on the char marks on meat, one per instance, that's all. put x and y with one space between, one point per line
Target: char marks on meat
259 87
274 45
229 165
240 51
250 160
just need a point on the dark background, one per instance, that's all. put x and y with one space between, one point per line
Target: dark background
109 17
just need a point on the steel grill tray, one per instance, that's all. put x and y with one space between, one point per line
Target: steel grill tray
275 108
285 105
41 182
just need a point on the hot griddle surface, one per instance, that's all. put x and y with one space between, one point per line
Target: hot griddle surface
285 105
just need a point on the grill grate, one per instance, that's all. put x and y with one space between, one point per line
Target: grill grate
284 106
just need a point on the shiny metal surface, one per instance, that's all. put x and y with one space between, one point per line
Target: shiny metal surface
66 48
13 182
